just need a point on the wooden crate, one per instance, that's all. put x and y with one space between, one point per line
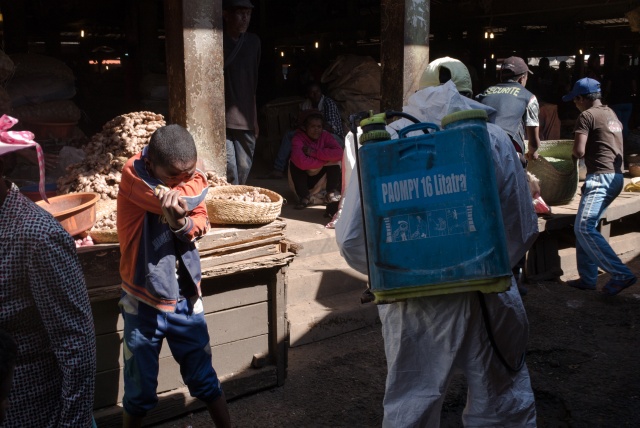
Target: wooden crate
244 295
548 260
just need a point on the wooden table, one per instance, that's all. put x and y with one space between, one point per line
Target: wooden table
244 294
548 260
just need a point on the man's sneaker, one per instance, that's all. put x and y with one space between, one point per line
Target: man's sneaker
615 286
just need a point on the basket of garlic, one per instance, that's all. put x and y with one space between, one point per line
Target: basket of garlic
242 205
104 230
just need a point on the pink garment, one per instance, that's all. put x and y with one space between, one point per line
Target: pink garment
10 141
325 149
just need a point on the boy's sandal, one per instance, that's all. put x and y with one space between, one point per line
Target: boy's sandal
304 203
615 286
577 283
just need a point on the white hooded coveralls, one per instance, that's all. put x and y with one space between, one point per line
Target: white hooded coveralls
429 339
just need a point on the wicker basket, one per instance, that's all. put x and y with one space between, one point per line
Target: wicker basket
223 211
558 186
107 236
104 236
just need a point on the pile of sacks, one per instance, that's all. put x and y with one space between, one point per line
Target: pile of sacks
37 89
354 83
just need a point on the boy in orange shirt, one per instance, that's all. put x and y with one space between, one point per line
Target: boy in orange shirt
161 213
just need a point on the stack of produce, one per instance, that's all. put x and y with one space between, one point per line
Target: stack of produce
40 90
101 170
214 180
105 231
248 196
107 152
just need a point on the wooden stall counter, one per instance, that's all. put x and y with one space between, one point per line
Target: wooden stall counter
552 257
244 294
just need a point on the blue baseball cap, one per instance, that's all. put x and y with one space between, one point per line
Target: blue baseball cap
582 87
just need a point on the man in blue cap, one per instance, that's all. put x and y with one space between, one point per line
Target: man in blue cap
598 139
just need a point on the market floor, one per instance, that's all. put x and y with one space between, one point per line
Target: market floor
583 359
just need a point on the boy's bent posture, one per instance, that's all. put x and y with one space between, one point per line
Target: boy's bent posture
161 213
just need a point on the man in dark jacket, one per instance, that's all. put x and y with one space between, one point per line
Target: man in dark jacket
517 108
241 60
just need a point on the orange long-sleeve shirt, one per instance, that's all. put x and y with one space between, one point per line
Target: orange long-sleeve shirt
158 264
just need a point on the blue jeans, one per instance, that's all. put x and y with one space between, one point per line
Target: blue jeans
284 151
623 111
592 250
145 328
241 144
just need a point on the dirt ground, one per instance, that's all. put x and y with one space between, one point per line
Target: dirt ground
582 356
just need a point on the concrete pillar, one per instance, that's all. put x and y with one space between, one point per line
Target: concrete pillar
195 61
404 49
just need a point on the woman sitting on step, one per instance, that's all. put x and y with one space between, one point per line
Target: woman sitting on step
315 154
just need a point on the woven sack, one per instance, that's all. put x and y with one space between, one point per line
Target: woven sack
558 179
224 211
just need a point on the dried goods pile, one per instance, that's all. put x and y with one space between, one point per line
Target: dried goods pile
104 231
106 215
101 170
251 196
214 180
107 152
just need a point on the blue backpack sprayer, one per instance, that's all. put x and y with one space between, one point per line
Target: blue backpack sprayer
431 209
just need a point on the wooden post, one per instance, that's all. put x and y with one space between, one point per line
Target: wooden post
278 331
195 61
391 53
404 43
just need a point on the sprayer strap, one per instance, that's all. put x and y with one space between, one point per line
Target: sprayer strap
487 325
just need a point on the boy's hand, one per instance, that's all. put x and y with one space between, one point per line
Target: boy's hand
173 206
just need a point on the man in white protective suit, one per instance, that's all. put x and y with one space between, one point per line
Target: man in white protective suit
429 339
